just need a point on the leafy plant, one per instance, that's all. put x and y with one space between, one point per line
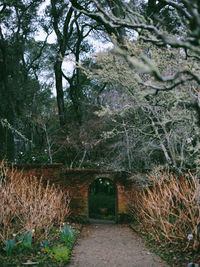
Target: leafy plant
45 243
67 233
59 253
26 240
10 246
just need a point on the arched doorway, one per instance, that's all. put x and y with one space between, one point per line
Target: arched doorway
102 199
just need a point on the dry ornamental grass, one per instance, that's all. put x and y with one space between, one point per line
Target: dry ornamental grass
26 204
169 210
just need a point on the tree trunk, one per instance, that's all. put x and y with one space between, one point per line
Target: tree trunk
59 91
115 6
7 110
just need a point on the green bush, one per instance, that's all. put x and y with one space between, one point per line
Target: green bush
59 253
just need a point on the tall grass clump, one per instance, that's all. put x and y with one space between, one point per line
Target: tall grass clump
29 206
168 211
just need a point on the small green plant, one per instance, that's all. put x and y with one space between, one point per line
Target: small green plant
26 240
67 233
45 243
10 246
59 253
52 229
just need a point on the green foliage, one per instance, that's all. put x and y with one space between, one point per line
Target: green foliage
33 157
60 253
26 239
67 234
52 251
52 229
10 246
20 68
139 129
45 243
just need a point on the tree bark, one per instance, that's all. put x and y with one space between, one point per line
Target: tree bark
59 91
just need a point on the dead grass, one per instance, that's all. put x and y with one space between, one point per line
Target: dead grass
26 204
169 210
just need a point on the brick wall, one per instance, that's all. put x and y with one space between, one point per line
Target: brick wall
77 182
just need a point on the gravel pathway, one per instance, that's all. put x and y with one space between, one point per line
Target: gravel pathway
106 245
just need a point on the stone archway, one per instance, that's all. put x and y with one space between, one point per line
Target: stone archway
103 199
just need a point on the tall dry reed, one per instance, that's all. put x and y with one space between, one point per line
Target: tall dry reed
169 210
26 204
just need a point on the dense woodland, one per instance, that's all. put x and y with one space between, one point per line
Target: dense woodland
134 105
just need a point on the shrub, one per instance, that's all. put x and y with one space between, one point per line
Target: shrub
59 253
169 210
27 205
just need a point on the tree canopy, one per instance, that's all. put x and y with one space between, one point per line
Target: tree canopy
133 105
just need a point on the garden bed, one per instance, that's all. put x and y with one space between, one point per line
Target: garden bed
54 251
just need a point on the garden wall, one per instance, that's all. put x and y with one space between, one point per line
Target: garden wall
77 182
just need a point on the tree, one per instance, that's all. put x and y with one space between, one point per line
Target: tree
143 130
20 56
150 24
71 29
188 40
64 23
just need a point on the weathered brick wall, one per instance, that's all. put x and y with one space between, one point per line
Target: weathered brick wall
77 182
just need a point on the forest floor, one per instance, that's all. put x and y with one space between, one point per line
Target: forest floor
106 245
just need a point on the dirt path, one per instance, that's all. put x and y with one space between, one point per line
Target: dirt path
106 245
